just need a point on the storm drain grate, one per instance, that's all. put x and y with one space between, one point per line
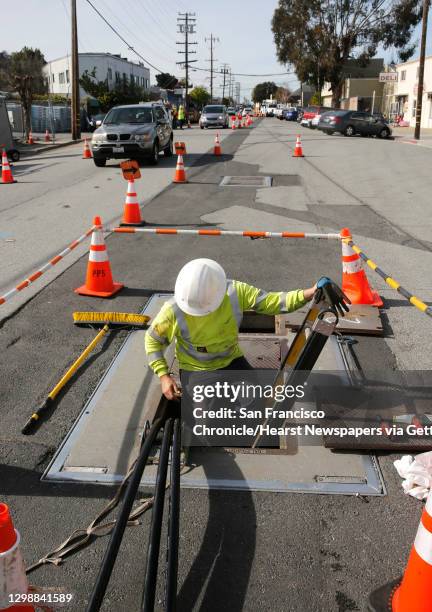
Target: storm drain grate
246 181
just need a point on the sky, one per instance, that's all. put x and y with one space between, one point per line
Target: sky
242 27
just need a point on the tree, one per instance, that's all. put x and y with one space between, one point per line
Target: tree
125 92
263 91
282 94
165 80
318 38
21 71
200 96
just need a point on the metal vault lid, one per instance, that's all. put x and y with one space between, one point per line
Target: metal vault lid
246 181
107 435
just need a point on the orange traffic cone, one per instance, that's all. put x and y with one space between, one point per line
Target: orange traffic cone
13 579
30 138
217 146
414 592
180 174
6 170
233 122
99 281
47 136
87 154
298 151
354 280
132 211
239 123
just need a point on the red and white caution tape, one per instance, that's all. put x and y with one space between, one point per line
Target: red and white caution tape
31 279
215 232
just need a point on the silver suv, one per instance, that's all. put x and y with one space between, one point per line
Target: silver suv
214 115
137 131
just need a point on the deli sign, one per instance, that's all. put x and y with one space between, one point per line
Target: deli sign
388 77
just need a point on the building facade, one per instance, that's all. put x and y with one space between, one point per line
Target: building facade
113 69
405 95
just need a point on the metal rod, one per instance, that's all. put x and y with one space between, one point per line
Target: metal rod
173 522
111 552
211 232
150 581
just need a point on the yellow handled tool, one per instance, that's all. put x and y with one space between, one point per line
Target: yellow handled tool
123 320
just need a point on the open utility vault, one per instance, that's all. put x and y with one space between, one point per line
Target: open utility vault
107 435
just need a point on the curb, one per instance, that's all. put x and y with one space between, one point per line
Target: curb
43 148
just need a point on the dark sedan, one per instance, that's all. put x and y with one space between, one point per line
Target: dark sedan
350 123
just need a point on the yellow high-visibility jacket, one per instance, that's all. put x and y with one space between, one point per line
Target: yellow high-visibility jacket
181 113
211 342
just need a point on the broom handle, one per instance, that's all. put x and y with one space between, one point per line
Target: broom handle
74 367
67 376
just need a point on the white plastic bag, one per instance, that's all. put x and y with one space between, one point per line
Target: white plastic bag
417 474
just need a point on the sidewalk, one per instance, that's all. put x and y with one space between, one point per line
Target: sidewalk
61 140
406 135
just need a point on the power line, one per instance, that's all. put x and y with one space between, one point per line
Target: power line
212 40
186 23
130 47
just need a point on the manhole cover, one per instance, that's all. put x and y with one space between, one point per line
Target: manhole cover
246 181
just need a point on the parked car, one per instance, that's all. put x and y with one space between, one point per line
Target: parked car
310 112
350 123
300 111
136 131
290 114
231 111
247 111
317 118
214 115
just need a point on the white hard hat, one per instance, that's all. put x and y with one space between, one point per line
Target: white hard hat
200 287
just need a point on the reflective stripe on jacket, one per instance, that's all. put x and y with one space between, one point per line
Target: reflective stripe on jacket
211 342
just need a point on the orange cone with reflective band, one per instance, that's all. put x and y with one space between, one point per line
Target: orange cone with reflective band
217 146
233 122
132 211
13 579
99 281
180 174
298 151
6 170
87 154
47 136
414 592
354 280
30 138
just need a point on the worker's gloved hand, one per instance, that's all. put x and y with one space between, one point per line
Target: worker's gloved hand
170 388
333 294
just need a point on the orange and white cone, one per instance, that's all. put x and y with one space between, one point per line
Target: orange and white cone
354 280
99 281
6 176
30 139
239 124
233 123
180 174
298 151
217 146
87 154
132 211
13 579
47 136
414 592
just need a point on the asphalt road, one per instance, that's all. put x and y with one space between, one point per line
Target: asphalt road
238 551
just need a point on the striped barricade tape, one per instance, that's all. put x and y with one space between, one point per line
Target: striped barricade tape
415 301
31 279
213 232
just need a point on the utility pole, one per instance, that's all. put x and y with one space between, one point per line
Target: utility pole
224 70
75 102
212 40
420 86
186 24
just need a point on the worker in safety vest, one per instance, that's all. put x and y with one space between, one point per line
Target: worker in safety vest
204 318
181 116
